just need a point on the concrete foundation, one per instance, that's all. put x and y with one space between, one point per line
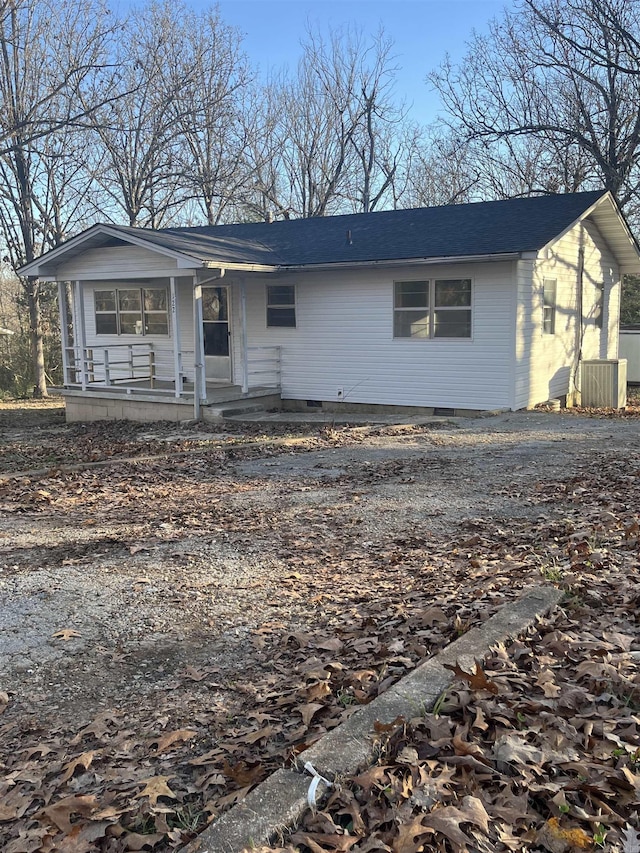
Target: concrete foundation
146 408
85 409
376 409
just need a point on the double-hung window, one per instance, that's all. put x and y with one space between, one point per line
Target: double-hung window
132 311
281 305
434 308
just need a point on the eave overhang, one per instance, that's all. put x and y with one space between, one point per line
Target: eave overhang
615 231
45 267
404 262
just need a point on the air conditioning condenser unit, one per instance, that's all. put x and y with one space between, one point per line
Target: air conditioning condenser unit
603 383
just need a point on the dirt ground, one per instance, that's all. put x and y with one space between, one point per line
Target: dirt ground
179 582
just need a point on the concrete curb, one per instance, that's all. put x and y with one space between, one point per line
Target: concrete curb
279 802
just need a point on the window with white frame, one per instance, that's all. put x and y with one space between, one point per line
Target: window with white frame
281 305
434 308
598 308
132 311
549 306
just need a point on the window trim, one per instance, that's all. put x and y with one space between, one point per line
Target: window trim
432 309
151 313
281 306
549 306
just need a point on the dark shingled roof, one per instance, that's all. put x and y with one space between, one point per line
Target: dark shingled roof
460 230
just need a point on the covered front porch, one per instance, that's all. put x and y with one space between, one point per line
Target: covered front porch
161 347
166 324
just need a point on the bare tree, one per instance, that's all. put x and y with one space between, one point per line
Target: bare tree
70 67
330 130
50 55
559 73
438 168
378 140
319 125
578 23
211 113
139 171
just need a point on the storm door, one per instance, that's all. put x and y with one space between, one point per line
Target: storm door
217 334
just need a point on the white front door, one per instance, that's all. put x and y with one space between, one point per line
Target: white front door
217 333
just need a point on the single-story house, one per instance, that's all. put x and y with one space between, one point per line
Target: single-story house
483 306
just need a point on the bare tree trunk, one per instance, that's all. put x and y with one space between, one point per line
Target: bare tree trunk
35 335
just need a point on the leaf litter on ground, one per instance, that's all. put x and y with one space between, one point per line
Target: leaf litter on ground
551 760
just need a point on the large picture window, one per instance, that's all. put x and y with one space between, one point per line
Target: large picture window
132 311
437 308
281 305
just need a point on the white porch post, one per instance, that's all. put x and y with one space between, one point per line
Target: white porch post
81 331
64 329
200 379
245 352
177 349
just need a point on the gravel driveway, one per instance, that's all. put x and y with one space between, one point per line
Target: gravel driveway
151 567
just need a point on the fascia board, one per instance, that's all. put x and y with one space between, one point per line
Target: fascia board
404 262
605 198
42 265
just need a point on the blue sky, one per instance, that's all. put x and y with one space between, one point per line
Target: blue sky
423 31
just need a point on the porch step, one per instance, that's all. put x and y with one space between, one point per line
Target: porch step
236 411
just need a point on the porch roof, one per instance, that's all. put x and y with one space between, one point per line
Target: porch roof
474 231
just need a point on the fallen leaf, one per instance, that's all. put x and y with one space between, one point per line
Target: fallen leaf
136 841
60 813
631 839
164 742
83 761
156 786
477 680
308 711
65 634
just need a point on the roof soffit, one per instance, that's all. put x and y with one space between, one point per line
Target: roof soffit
611 224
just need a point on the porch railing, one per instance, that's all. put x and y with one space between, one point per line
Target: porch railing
108 366
135 364
264 367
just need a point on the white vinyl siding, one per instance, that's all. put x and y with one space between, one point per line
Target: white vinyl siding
115 262
545 364
344 339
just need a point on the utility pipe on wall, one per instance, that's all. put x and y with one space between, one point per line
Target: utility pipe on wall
579 324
